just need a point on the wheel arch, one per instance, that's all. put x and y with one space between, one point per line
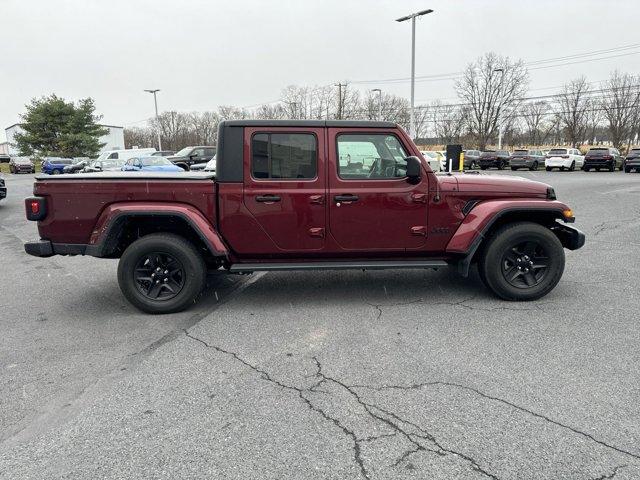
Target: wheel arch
484 219
121 225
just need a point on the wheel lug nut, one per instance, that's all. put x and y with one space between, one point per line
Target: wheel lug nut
157 281
166 279
166 271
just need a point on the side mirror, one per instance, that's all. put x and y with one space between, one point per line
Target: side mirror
98 167
414 169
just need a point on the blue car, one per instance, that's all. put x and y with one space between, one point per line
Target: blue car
55 165
150 164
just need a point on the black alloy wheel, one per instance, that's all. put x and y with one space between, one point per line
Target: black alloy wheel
521 261
159 276
525 264
162 273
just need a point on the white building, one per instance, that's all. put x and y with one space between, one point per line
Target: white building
113 140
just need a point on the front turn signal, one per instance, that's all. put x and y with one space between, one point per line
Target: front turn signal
568 215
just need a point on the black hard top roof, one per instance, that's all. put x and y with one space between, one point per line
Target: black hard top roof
309 123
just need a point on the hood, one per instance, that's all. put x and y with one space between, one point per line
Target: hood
494 184
22 161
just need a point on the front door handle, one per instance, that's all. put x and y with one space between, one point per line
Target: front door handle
346 198
267 198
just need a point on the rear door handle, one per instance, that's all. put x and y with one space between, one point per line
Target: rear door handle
267 198
346 198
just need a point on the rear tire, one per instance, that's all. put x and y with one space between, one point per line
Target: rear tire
161 273
56 172
548 169
501 166
534 167
514 169
572 167
522 261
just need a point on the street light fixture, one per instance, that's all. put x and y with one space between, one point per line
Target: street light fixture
155 101
379 102
501 70
413 17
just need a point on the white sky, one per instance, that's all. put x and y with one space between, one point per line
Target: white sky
205 53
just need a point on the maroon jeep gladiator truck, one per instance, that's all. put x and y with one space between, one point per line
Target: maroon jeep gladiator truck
304 195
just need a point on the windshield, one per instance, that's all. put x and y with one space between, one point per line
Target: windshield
430 154
635 151
517 153
112 163
154 161
488 154
599 151
184 152
558 151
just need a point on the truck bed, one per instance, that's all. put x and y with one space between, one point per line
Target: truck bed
74 202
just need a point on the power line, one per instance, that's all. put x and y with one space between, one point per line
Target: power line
536 65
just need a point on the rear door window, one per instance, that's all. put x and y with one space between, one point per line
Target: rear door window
276 156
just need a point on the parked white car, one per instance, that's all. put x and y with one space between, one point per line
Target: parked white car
434 159
564 159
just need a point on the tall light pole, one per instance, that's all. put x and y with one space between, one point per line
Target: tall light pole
155 101
501 70
379 102
413 17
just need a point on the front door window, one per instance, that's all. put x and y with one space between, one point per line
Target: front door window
371 156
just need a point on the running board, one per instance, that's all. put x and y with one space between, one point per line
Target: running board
362 265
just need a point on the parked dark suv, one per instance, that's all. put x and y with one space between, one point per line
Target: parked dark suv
471 159
632 161
494 159
191 155
603 158
530 159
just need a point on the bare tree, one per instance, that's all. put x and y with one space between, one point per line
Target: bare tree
574 105
534 116
448 122
620 105
138 137
489 86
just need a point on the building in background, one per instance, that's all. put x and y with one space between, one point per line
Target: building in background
113 140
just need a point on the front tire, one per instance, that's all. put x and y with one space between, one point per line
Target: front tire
161 273
534 167
522 261
548 169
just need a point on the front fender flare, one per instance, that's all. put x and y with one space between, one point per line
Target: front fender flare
107 224
472 231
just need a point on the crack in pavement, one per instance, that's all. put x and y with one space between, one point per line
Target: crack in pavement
607 476
536 307
390 419
301 394
418 386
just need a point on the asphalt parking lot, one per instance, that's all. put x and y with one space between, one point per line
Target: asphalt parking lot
373 375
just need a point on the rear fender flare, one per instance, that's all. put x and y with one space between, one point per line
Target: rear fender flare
106 228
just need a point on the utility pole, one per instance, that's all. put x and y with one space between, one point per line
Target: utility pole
501 70
155 101
379 102
340 85
412 17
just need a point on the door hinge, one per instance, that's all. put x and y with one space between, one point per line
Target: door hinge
420 230
316 232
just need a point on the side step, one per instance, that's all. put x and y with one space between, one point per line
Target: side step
359 265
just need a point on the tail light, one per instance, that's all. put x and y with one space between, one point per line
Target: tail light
565 156
608 157
36 208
